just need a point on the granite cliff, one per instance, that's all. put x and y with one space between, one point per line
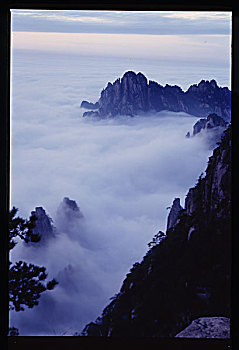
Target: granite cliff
211 122
174 213
44 225
185 274
211 127
67 215
133 94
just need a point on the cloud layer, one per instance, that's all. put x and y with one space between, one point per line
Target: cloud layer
123 175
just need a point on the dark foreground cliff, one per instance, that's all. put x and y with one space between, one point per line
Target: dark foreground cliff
134 94
186 274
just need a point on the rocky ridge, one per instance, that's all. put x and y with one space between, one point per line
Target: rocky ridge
185 275
134 94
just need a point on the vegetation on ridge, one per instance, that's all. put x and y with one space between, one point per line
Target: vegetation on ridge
187 274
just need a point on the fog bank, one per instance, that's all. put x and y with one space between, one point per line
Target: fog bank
122 173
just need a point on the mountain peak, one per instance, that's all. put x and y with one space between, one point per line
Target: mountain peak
213 83
44 225
129 73
133 94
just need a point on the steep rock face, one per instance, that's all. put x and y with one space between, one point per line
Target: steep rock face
211 128
212 191
43 226
132 95
68 217
199 125
185 275
69 210
125 97
211 122
174 213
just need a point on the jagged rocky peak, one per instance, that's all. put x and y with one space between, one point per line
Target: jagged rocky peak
212 127
204 85
212 121
174 213
69 217
44 226
68 210
126 96
133 94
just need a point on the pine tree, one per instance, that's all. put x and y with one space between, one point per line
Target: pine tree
25 280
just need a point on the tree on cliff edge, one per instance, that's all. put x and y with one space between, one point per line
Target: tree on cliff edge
25 280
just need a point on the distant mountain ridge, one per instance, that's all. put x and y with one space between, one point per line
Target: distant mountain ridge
134 94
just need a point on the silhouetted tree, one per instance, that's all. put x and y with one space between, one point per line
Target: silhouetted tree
25 280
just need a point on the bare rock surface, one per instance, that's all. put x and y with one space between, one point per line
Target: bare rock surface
207 327
44 226
174 212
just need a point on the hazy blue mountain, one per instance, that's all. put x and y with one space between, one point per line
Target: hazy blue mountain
134 94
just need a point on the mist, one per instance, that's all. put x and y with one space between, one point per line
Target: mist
123 173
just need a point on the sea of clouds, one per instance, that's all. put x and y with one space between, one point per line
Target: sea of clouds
122 173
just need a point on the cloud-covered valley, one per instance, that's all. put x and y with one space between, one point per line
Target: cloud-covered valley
122 173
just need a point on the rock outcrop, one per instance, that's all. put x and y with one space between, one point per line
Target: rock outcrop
211 122
69 217
67 220
207 327
44 226
174 213
68 210
211 127
133 94
186 275
88 105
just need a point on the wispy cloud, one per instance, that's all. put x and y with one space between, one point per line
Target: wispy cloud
64 16
197 15
130 22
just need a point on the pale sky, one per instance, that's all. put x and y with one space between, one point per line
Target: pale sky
197 47
123 22
181 35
